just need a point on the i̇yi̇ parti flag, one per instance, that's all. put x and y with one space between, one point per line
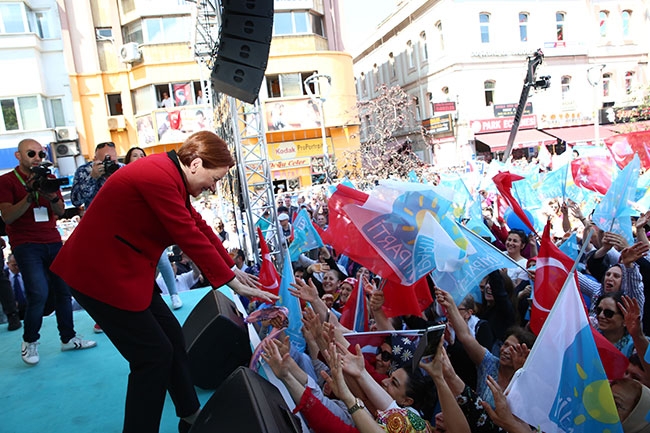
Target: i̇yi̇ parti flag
305 236
291 303
355 312
562 386
613 213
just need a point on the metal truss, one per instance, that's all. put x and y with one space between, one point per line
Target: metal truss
240 125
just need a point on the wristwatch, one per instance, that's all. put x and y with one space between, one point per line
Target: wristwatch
357 406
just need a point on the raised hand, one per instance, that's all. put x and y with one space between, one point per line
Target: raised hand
633 253
305 291
631 314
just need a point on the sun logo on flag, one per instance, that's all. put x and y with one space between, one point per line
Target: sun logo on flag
584 400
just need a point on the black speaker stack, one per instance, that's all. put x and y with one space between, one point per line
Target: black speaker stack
243 50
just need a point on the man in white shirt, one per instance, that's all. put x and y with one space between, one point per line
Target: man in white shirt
167 101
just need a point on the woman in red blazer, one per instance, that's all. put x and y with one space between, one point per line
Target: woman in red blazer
110 260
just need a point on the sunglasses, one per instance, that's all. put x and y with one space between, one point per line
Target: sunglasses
103 145
385 355
32 153
606 312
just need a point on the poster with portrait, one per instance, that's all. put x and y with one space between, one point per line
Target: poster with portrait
175 125
146 133
292 114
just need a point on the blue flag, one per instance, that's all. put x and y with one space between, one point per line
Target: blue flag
476 223
614 211
465 280
287 300
305 236
570 247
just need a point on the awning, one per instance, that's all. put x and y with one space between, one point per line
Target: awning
623 128
579 134
524 138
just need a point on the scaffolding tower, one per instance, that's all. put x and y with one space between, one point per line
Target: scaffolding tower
240 125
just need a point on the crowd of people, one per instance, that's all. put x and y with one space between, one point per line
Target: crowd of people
181 240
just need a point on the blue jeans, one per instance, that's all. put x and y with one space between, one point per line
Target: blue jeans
34 261
167 272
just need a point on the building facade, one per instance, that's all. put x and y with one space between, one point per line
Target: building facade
464 63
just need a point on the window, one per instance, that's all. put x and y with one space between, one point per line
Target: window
484 19
297 22
410 54
606 80
423 43
418 115
144 99
489 92
523 27
12 18
625 18
41 25
165 30
375 74
284 85
629 82
430 99
559 25
114 104
133 33
603 16
362 84
566 88
441 40
58 117
391 66
21 113
104 34
317 27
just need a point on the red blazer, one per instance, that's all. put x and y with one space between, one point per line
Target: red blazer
143 207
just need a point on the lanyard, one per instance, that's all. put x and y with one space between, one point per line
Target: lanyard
25 185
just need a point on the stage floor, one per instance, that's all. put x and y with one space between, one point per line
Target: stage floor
73 392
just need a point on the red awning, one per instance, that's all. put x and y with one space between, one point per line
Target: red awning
579 134
524 138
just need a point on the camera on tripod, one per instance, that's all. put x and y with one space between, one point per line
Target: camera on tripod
110 166
42 183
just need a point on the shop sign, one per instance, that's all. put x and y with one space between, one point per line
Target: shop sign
509 110
502 124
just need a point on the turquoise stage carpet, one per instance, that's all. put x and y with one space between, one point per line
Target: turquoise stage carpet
72 392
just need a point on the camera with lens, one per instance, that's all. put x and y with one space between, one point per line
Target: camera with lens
110 166
174 258
42 183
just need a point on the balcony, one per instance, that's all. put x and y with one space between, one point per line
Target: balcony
288 5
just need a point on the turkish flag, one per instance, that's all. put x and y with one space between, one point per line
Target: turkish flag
552 269
402 300
268 277
503 182
623 147
593 172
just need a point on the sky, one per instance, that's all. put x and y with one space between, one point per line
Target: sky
359 18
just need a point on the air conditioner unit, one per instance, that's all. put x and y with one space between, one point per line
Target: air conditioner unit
116 123
130 53
66 133
66 148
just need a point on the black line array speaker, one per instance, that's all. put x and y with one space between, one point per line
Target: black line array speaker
216 339
246 402
243 51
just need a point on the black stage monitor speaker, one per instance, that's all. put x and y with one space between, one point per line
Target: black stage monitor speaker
244 42
246 402
216 339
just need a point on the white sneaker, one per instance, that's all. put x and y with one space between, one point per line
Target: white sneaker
77 343
176 302
29 352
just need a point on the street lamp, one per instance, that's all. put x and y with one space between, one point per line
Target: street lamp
318 87
594 76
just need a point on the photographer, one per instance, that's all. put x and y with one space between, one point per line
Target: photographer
30 215
90 177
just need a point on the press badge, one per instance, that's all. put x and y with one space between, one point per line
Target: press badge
41 215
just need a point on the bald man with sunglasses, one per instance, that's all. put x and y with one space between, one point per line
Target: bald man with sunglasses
90 177
30 218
